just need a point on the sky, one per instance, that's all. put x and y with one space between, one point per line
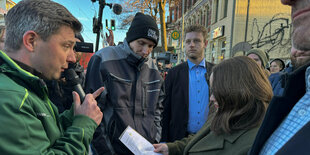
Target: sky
85 10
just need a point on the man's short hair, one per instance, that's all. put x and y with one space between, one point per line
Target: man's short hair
44 17
197 28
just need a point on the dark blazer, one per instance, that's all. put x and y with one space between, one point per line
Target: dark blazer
175 115
279 108
207 142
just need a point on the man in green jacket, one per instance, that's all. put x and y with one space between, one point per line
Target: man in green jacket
39 45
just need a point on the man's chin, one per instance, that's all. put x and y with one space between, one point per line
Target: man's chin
54 77
301 61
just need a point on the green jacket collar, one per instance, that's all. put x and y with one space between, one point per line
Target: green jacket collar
208 140
22 77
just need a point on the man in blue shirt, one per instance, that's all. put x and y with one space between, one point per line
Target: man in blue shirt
285 129
186 105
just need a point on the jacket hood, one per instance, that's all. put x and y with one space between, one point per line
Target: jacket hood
132 57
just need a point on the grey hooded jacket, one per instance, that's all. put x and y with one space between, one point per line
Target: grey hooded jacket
133 96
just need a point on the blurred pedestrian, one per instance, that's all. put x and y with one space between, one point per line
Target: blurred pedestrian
260 57
276 65
278 80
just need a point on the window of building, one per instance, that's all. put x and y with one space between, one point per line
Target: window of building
224 8
216 10
172 15
213 52
207 13
185 7
201 18
223 50
177 13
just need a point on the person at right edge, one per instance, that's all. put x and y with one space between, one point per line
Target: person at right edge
286 126
134 87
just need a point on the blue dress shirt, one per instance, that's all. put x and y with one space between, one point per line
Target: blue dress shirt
198 96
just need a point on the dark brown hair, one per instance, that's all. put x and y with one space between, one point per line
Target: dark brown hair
242 91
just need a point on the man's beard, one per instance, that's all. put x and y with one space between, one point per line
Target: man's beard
299 63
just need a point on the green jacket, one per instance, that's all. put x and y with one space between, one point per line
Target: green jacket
206 141
30 123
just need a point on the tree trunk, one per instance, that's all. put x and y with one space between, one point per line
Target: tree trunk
161 4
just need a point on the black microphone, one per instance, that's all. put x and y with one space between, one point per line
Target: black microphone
117 9
73 79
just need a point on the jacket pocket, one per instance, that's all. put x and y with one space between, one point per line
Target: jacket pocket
150 91
119 90
150 94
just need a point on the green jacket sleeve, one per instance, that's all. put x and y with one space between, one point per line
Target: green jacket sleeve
177 147
31 126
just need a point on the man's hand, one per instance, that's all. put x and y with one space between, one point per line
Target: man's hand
89 107
161 148
110 38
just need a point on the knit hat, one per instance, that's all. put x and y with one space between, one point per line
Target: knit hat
143 26
261 54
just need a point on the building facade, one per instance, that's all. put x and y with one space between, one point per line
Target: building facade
5 5
234 26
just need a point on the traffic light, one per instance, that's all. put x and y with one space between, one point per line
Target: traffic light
106 24
112 24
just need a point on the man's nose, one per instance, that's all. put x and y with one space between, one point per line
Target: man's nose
71 57
192 43
146 50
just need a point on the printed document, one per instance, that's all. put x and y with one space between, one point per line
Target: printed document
136 143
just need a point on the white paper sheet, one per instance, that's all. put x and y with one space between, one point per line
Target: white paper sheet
136 143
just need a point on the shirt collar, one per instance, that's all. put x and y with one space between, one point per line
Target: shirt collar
201 64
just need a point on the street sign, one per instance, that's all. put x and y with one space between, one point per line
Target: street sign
175 35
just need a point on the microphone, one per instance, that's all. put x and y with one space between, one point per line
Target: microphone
117 9
73 79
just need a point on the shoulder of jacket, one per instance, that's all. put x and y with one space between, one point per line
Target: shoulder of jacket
111 53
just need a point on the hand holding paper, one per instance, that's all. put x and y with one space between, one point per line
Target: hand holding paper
136 143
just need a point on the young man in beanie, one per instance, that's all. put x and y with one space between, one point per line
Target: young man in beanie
134 87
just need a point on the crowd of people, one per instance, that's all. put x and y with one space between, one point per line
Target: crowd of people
243 105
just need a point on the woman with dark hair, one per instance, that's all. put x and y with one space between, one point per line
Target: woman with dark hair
240 91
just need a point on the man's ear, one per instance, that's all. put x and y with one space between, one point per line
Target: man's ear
29 40
205 43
